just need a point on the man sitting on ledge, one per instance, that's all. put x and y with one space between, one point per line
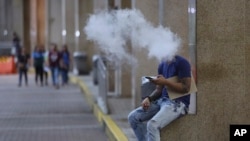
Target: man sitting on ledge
158 109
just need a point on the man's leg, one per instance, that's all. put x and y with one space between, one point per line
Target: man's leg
20 77
41 75
53 75
168 113
26 77
45 77
36 74
63 76
56 75
137 120
67 76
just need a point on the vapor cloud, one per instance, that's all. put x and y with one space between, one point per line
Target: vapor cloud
111 31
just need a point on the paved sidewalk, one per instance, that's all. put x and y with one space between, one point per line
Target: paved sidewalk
37 113
119 108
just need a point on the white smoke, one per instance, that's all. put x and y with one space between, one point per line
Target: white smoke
113 30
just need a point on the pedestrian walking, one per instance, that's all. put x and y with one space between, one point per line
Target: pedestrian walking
38 60
54 63
65 64
23 62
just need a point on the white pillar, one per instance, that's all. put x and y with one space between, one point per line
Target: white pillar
192 47
77 31
64 31
161 12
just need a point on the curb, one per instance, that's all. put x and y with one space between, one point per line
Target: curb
111 129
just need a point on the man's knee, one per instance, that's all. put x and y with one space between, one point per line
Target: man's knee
152 125
131 117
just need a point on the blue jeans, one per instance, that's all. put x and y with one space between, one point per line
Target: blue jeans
146 124
55 74
65 77
21 73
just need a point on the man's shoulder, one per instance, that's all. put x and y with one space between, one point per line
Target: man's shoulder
180 59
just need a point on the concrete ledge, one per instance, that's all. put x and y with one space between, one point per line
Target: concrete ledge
112 130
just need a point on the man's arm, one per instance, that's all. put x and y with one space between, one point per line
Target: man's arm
153 96
183 86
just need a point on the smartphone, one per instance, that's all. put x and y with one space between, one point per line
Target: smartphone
149 78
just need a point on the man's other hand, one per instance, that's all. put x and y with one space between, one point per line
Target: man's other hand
145 103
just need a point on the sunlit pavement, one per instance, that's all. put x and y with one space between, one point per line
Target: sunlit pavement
36 113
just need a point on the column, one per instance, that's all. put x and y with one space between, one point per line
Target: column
71 15
192 48
33 23
54 21
40 18
46 26
64 31
26 24
3 29
161 12
77 31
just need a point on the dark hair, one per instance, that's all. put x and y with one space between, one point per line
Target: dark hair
65 48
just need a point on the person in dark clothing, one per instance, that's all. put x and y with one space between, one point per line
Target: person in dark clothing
54 63
23 62
16 44
65 64
38 64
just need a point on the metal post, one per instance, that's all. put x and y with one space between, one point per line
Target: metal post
118 79
192 48
103 86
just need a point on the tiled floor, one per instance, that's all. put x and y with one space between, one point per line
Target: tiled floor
37 113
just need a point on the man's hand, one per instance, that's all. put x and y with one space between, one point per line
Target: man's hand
145 103
182 86
160 80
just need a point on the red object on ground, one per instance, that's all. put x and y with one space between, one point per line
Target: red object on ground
7 65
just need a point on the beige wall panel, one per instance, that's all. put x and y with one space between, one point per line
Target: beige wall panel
70 24
85 9
55 22
176 18
146 66
247 56
100 5
221 68
149 9
17 19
